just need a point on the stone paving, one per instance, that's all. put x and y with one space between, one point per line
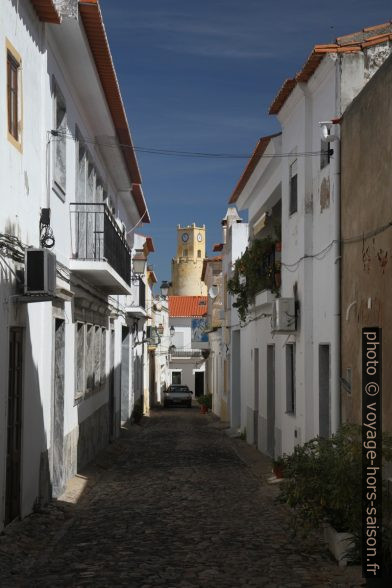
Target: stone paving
174 503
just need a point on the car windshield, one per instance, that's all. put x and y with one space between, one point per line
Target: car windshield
178 389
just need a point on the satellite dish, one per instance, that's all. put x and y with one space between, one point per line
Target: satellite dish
213 291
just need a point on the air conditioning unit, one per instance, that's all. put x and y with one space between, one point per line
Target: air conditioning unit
283 315
40 272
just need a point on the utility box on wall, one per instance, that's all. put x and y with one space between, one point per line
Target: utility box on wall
40 272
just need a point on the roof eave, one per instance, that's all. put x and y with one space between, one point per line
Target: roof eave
46 11
94 27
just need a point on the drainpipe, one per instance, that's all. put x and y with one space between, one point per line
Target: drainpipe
334 140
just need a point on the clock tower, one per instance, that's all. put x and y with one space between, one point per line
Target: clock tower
187 266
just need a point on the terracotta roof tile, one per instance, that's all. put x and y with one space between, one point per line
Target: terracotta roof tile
347 44
187 306
217 247
251 165
150 245
151 275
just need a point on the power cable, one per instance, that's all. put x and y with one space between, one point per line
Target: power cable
183 153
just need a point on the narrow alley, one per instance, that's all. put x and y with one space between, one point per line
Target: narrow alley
176 503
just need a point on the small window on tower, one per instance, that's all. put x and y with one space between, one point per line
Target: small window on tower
185 253
198 253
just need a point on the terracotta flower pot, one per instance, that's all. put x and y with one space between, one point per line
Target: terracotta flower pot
203 409
278 471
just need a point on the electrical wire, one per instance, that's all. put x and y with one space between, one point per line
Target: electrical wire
183 153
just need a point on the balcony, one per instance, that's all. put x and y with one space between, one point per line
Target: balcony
100 253
185 353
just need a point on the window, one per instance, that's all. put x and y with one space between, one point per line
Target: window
325 156
59 142
90 350
89 363
89 187
79 387
293 204
176 377
185 253
103 355
14 122
290 378
198 253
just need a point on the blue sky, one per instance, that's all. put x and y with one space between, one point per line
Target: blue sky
200 76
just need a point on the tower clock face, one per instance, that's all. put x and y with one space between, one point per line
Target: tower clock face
185 237
199 238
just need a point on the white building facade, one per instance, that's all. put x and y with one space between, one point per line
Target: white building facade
187 320
292 377
71 192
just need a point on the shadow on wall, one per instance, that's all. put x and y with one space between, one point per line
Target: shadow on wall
26 481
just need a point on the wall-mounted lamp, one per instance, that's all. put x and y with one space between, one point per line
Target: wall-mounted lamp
165 288
138 265
172 331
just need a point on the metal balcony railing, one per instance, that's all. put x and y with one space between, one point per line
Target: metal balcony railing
96 236
186 353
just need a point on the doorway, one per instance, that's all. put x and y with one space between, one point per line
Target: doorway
324 391
58 407
14 425
256 377
152 378
271 400
112 416
236 378
199 384
125 338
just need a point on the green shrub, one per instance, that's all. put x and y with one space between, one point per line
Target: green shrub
206 399
322 483
253 272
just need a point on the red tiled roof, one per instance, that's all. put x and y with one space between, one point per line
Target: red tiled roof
251 165
183 306
150 245
352 43
217 247
94 27
46 11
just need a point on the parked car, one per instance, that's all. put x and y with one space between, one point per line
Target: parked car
177 394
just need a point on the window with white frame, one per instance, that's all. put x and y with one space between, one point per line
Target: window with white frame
14 96
293 188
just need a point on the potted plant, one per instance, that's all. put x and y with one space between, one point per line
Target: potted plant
278 467
205 402
320 479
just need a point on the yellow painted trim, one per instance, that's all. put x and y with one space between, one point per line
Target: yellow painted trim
9 48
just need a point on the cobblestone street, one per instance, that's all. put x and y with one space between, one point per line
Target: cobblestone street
174 503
